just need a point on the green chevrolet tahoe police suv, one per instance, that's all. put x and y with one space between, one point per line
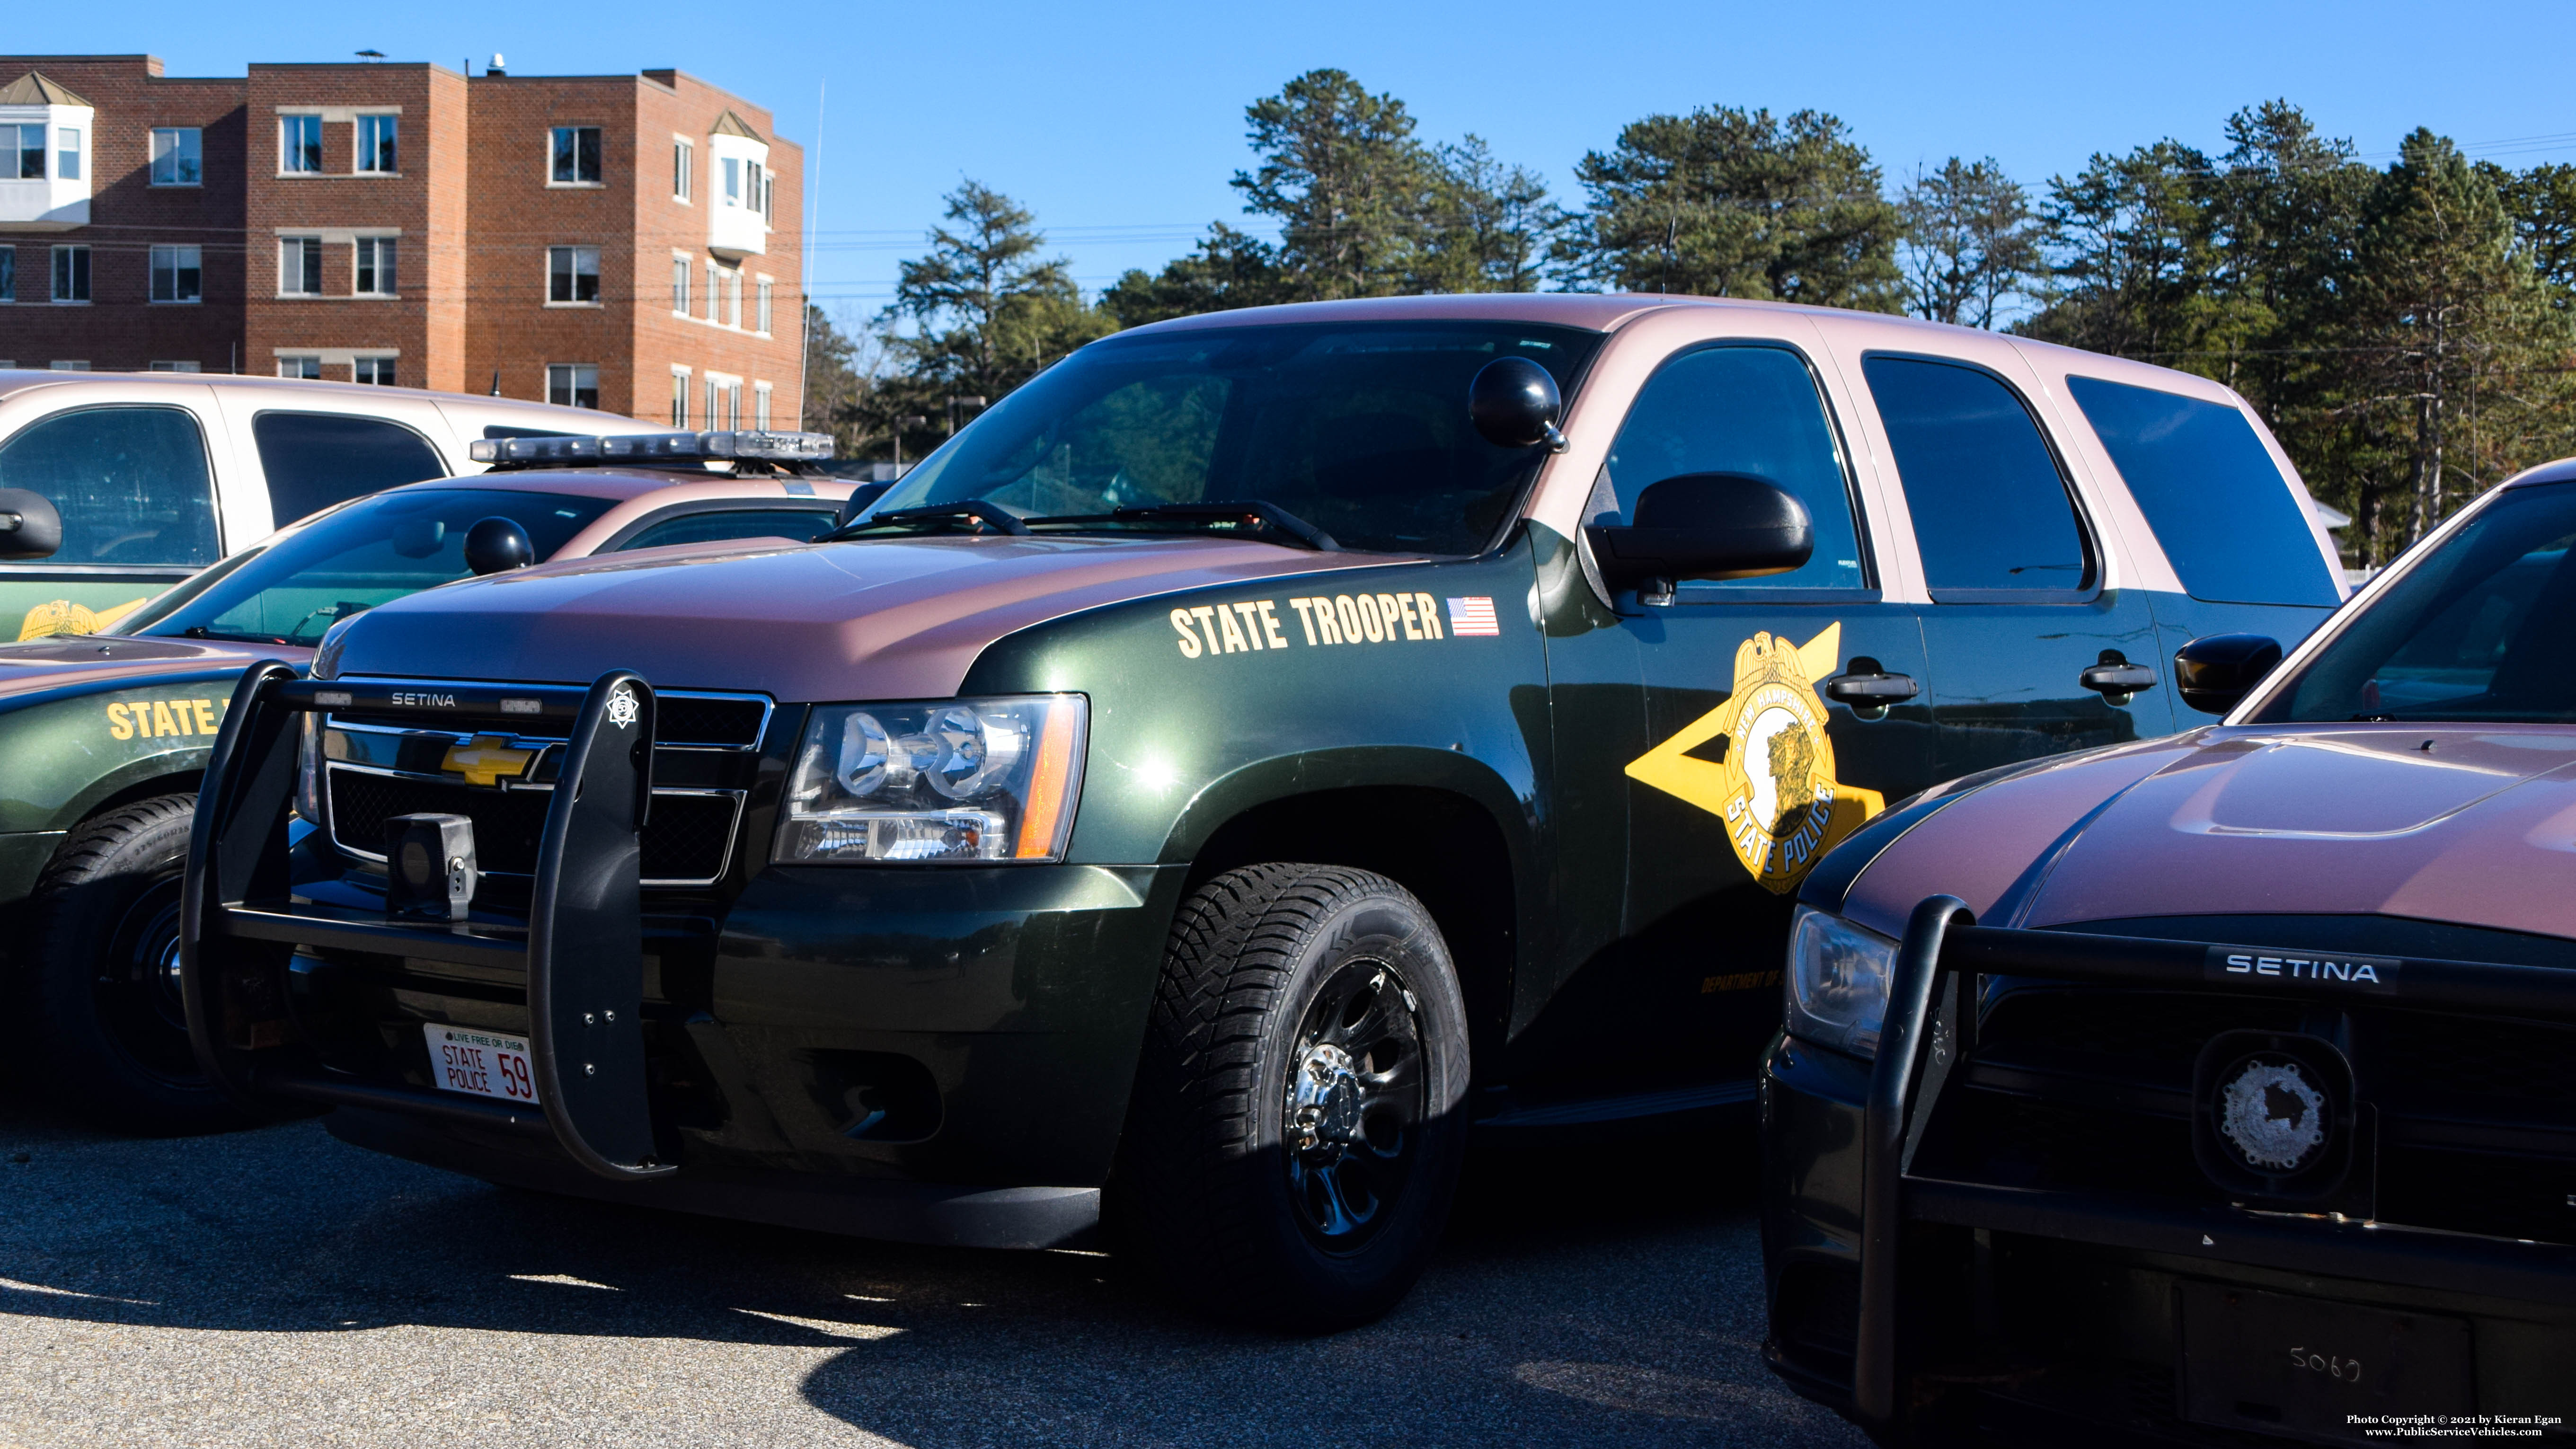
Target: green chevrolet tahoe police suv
1256 751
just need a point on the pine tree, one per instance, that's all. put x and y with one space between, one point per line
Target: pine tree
1970 241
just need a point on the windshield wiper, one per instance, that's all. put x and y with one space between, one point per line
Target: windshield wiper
966 510
1250 514
200 631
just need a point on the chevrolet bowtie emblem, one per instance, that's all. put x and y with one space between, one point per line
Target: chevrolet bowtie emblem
487 760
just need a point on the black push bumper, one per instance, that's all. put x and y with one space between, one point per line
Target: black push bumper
1866 1200
580 951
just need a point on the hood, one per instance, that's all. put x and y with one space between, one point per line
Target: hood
108 660
869 619
2469 824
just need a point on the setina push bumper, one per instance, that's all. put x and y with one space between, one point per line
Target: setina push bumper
584 1119
2249 1282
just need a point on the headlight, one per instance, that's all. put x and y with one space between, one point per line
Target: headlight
1837 981
966 779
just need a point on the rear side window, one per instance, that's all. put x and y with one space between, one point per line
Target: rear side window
2223 512
1992 516
314 460
1739 410
800 524
130 482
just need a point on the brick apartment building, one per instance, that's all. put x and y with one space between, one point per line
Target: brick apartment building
624 242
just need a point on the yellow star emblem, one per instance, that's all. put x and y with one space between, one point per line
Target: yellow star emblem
1774 785
487 760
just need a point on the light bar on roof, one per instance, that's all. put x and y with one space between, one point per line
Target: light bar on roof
647 447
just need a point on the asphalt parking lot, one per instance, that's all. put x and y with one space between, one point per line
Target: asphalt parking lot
277 1287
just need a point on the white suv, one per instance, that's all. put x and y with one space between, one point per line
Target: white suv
157 475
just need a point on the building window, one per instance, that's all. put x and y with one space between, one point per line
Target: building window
71 274
715 402
176 367
680 285
733 297
178 274
377 149
732 181
572 384
306 365
29 144
67 165
572 274
378 370
178 156
684 162
299 144
576 156
299 266
715 289
760 406
733 405
768 198
66 365
8 274
376 265
679 399
765 286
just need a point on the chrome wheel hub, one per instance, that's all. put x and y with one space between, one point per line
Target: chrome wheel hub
1323 1101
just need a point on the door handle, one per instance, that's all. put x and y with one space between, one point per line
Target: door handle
2116 679
1869 690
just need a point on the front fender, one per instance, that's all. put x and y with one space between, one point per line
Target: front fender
64 752
1508 803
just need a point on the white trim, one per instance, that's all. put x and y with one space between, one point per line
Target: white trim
336 356
339 235
339 113
680 369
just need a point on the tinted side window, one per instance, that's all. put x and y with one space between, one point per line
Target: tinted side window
1991 511
800 524
131 483
314 460
2225 516
1740 410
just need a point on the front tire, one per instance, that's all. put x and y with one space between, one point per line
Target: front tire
1298 1120
101 957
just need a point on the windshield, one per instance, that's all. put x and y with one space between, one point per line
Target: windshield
1359 430
2483 628
350 560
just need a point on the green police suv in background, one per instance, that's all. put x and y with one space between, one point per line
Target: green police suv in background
1252 751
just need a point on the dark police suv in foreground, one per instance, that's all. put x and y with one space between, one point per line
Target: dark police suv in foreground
1253 751
2218 1089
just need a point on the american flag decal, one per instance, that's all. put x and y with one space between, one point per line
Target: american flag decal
1471 617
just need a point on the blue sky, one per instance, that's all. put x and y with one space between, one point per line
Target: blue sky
1121 124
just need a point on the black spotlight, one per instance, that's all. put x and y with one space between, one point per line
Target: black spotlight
431 861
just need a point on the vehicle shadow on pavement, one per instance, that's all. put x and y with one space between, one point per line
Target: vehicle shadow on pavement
1583 1296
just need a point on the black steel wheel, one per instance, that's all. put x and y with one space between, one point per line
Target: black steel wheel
1294 1137
101 960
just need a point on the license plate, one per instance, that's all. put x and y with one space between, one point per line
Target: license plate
483 1063
2315 1370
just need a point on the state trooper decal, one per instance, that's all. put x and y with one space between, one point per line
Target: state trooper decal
1774 785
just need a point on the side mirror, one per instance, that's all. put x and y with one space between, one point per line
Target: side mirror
1706 526
29 526
1514 403
497 545
858 501
2216 672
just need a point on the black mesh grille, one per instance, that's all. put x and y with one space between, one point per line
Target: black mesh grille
2423 1072
684 840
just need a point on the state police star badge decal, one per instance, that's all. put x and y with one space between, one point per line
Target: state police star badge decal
1775 786
622 708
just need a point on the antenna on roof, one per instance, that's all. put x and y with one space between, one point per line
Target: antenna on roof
496 382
